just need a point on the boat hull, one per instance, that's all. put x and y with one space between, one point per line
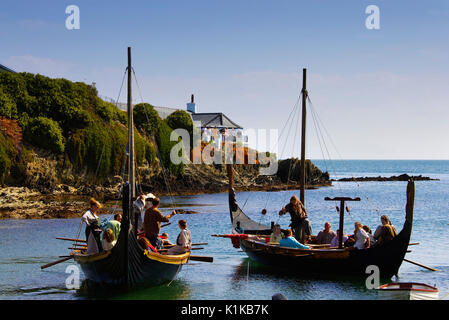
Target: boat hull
387 257
407 291
141 268
331 261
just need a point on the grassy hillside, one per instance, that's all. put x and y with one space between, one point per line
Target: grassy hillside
68 122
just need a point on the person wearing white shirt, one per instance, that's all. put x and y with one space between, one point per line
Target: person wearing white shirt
184 240
362 240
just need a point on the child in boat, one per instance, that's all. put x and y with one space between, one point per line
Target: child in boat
290 242
184 240
108 241
276 236
334 242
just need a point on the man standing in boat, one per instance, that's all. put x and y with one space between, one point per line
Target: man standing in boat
299 222
152 223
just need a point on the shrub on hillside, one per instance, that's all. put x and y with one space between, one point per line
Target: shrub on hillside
45 133
146 117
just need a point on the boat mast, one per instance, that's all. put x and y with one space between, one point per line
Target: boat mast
303 139
131 169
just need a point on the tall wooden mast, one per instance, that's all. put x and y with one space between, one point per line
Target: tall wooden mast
303 138
131 169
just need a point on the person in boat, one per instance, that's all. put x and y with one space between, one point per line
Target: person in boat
93 230
165 240
152 223
387 233
114 225
139 207
276 235
299 220
325 236
370 234
334 242
361 237
384 220
108 241
184 240
290 242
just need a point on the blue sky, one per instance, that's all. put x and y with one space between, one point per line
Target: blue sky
382 94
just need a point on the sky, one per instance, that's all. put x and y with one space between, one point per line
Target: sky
379 93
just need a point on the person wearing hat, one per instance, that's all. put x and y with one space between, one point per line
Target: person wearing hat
93 229
139 207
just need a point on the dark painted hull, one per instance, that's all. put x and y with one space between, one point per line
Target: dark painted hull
141 269
388 257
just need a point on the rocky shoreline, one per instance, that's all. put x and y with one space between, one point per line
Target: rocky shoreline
24 203
402 177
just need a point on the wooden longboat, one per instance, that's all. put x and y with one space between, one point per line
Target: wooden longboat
387 257
130 268
127 264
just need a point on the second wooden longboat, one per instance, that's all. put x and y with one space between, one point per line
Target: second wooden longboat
127 264
387 257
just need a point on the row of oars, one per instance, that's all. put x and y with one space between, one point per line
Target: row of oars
82 246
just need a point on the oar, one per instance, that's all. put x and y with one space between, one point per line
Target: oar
75 240
413 243
421 265
193 244
56 262
201 258
165 250
167 224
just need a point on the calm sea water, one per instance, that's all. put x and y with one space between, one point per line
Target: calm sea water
28 244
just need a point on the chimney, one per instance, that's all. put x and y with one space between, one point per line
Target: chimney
191 106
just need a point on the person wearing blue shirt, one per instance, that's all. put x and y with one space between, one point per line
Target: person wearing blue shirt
290 242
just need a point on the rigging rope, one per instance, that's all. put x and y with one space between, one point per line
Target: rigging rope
157 149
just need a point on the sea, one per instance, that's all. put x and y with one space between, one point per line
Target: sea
28 244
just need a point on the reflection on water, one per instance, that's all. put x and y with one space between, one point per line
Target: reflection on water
308 286
176 289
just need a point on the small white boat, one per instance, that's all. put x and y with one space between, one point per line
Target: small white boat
407 291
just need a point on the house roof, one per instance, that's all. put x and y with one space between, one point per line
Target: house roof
216 119
164 112
3 68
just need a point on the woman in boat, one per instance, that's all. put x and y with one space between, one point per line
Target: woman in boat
387 233
385 221
152 223
276 236
93 230
361 237
299 222
184 240
290 242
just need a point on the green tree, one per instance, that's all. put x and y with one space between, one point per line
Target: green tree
45 133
